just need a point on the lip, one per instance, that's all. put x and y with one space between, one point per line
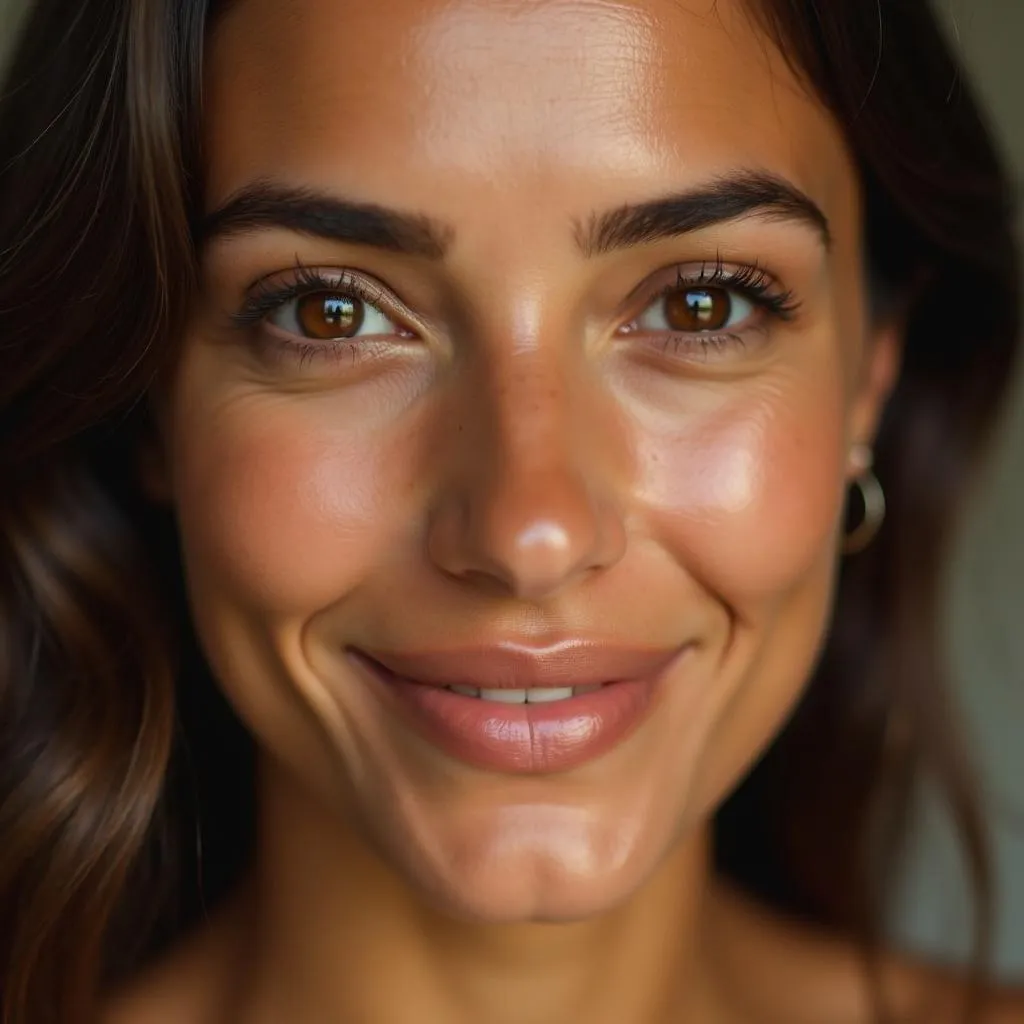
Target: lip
529 738
515 666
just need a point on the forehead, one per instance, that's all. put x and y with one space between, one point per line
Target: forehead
432 104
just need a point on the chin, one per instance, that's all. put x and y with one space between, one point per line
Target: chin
528 863
527 892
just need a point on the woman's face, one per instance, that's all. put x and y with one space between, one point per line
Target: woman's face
531 350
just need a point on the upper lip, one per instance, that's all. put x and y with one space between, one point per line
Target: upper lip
515 666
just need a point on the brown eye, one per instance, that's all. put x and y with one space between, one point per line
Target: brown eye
698 309
326 316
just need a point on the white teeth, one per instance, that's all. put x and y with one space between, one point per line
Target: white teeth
504 696
543 695
535 695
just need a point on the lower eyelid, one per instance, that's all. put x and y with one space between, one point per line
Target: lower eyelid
703 341
282 348
696 348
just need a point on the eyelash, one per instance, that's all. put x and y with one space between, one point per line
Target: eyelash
749 281
267 298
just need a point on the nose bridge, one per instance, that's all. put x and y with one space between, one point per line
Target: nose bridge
531 505
533 412
538 469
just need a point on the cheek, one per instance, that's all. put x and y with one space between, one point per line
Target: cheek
747 499
284 512
747 495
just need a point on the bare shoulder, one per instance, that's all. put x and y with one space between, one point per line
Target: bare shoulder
161 995
189 985
804 976
1007 1006
178 989
944 991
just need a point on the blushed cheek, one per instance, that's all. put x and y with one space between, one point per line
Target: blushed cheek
279 512
746 497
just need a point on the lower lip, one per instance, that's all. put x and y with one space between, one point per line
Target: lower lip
522 739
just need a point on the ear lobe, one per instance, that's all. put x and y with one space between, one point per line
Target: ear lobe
880 369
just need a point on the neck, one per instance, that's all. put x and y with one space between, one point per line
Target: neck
334 934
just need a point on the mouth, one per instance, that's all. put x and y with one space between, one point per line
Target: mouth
520 710
534 695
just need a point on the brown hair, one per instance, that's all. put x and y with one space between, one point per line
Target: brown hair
107 710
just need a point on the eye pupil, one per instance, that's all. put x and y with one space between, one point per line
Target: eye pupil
698 309
327 315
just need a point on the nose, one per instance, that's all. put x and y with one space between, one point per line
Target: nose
529 505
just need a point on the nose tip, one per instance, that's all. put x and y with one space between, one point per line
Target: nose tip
527 540
529 501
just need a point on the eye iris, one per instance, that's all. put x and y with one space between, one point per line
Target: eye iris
327 315
698 309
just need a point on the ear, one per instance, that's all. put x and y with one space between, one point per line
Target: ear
880 364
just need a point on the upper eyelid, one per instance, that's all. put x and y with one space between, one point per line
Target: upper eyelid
752 280
388 302
711 272
368 288
316 277
722 273
706 270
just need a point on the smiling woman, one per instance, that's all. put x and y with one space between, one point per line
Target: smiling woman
427 586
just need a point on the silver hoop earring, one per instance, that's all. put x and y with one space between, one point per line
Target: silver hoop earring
873 498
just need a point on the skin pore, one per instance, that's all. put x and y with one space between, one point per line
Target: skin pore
521 447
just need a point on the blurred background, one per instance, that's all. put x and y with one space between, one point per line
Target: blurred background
985 607
985 610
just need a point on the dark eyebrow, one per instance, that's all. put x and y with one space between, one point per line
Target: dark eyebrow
736 195
308 212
